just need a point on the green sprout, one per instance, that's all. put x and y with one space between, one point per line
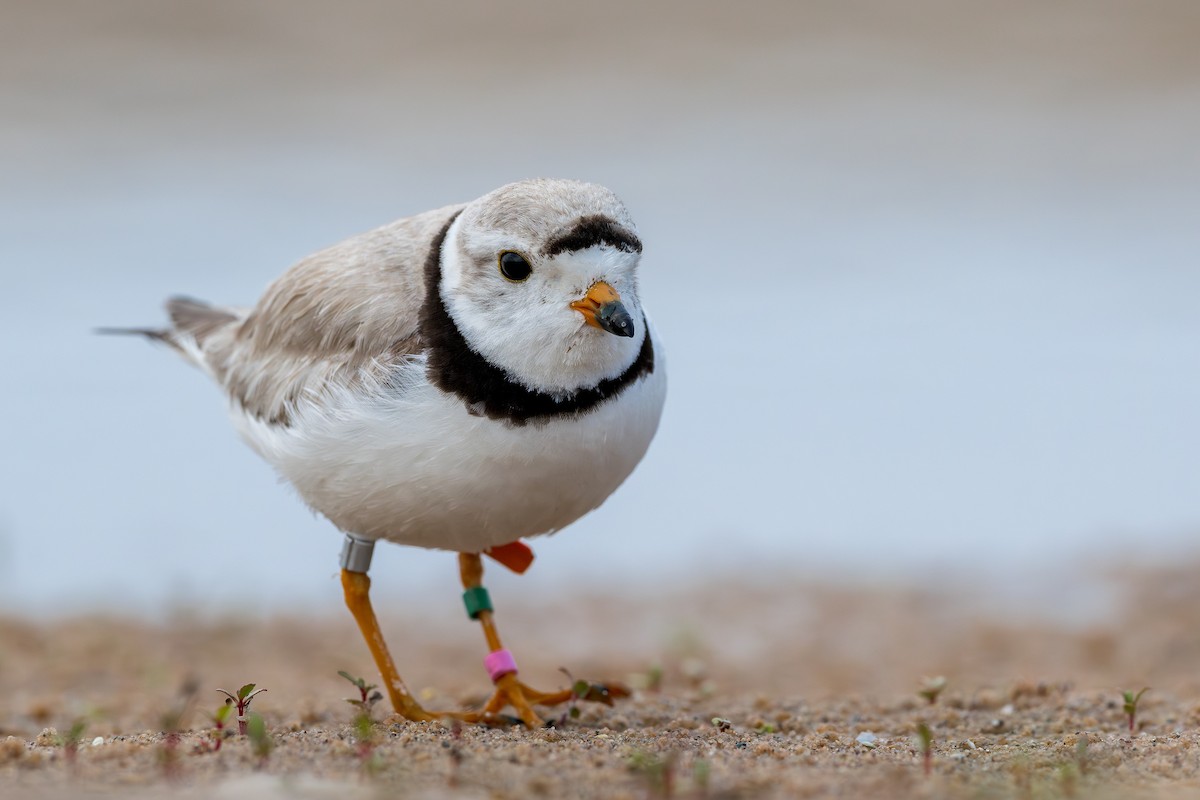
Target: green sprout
242 701
1068 778
1131 704
657 771
69 741
260 741
1081 753
365 736
172 724
364 725
591 692
931 688
925 744
700 776
650 681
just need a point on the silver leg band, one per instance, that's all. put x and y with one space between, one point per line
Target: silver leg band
356 554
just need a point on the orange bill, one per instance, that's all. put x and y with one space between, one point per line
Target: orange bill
602 308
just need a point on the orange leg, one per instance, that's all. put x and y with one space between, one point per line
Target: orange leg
509 690
356 559
357 587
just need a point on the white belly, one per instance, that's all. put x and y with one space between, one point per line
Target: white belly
414 467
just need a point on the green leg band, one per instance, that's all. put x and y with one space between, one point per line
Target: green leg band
477 600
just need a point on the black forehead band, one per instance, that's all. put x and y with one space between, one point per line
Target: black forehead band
590 231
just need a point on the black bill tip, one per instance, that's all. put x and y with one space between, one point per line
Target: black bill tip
613 318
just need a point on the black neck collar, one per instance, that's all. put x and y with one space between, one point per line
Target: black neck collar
485 388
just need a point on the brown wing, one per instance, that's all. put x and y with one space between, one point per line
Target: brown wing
338 316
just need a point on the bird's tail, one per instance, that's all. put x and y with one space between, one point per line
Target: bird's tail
154 334
192 322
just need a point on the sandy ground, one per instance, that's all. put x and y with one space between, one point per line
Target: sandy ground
114 114
799 674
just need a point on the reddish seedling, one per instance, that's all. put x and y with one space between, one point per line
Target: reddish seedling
1131 705
364 725
242 701
218 733
368 694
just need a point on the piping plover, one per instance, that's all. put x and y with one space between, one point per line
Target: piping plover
459 380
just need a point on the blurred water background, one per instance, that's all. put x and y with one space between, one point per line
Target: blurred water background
928 275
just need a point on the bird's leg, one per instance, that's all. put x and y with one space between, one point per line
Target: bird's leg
356 560
499 662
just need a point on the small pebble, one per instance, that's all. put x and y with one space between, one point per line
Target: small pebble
11 749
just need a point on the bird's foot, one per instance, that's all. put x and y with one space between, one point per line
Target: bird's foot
512 693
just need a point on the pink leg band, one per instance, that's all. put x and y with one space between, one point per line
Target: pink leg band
499 664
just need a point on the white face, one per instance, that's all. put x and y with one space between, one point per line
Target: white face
528 327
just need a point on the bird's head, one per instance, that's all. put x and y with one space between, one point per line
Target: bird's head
541 279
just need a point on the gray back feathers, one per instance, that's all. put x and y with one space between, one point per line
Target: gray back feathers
351 312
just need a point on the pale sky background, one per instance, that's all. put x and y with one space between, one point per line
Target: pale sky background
927 274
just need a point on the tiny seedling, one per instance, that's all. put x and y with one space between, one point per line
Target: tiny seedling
456 753
654 678
364 725
925 744
1131 704
242 701
700 776
722 724
217 735
591 692
172 723
1068 779
1081 753
365 736
1022 773
931 688
368 693
656 770
260 741
69 741
649 681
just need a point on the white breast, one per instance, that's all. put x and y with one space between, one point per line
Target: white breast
414 467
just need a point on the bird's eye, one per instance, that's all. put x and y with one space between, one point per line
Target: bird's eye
514 266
